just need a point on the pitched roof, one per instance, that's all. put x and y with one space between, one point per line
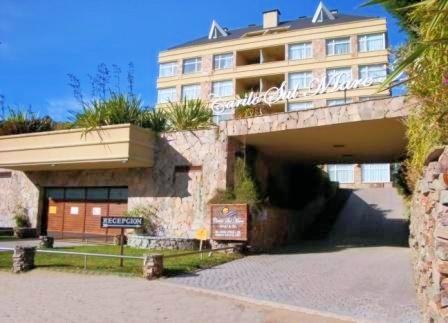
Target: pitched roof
301 23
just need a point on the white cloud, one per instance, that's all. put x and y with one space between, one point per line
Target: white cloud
59 108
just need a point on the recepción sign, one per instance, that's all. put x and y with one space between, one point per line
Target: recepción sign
121 222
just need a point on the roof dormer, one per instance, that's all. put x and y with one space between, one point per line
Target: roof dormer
322 13
216 31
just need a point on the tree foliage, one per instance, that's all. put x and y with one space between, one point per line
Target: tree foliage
425 61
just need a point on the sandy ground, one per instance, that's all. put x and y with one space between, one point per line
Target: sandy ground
47 296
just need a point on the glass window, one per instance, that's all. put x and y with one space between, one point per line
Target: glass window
192 65
166 95
75 194
300 80
55 193
341 173
167 69
118 194
223 61
300 51
372 42
375 173
297 106
338 46
191 92
342 75
376 72
222 88
333 102
97 194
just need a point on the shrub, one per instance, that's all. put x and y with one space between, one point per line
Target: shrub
25 121
20 216
188 115
119 109
248 111
149 214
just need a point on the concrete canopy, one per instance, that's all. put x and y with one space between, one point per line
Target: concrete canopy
371 131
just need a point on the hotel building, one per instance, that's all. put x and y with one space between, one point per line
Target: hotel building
228 64
66 180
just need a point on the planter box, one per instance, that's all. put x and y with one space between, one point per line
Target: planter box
23 233
118 146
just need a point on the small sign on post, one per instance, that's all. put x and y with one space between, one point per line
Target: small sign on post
121 222
201 235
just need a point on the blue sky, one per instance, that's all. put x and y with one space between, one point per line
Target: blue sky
42 41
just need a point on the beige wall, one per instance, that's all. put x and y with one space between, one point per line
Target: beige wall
317 64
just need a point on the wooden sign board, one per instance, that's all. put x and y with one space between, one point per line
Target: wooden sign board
122 222
229 222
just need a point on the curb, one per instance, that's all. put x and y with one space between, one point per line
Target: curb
254 301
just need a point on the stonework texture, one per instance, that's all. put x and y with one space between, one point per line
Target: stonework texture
23 259
150 242
429 238
393 107
152 266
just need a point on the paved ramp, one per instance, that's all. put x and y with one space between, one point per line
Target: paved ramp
362 270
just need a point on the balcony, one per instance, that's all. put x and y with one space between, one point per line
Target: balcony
118 146
260 56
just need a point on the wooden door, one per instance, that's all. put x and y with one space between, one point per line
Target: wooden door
94 212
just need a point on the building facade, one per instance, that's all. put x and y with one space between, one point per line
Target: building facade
315 58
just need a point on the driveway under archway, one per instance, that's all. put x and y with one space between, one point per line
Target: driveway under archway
361 270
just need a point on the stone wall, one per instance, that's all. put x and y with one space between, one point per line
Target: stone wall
16 189
189 167
146 241
429 237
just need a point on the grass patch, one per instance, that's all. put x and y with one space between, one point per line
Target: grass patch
133 267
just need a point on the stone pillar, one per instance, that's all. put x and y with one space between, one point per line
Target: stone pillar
152 266
46 242
23 259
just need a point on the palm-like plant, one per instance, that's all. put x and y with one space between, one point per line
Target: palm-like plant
430 36
188 115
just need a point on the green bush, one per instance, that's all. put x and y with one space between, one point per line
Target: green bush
20 216
25 121
188 115
149 214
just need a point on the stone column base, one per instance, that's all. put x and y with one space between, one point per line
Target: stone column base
152 266
23 259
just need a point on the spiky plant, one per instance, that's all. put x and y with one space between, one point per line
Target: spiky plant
155 119
25 121
188 115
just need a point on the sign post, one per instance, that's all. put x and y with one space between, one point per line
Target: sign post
201 235
121 222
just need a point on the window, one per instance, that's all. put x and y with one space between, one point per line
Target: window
300 51
338 46
55 193
166 95
118 194
341 173
376 72
97 194
167 69
222 88
300 80
191 92
192 65
372 42
375 173
223 61
333 102
297 106
75 194
341 75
